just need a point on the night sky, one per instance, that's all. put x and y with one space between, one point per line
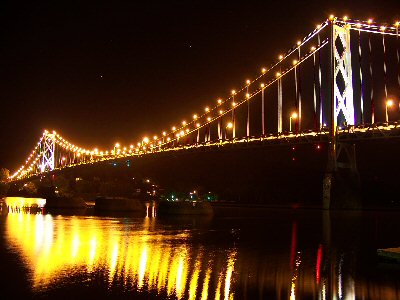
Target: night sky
114 71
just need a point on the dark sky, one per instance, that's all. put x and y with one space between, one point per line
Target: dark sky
101 72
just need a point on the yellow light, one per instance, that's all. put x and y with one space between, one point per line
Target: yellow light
194 116
208 119
389 103
233 104
247 95
318 26
177 135
397 24
183 123
278 74
370 21
182 132
173 128
233 92
131 146
262 85
295 62
219 101
294 115
54 132
197 125
155 137
263 70
138 144
168 139
117 145
229 125
145 140
248 81
280 57
187 130
164 133
221 112
331 17
207 109
298 43
313 48
358 25
345 18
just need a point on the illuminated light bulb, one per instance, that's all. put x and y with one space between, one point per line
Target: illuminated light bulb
233 104
263 70
182 132
280 57
295 62
233 92
173 128
138 144
155 137
278 74
345 18
208 119
146 140
187 130
318 26
183 123
168 139
194 116
262 85
331 17
358 25
124 149
221 112
247 95
370 21
219 101
164 133
159 142
54 132
131 146
117 145
294 115
229 125
397 24
313 48
248 81
197 124
383 28
298 43
389 102
207 109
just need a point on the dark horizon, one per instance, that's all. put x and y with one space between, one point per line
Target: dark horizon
107 73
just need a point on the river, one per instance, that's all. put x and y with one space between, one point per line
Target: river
280 254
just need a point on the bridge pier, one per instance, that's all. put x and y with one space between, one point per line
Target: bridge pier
341 183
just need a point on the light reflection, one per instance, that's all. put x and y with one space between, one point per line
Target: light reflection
146 259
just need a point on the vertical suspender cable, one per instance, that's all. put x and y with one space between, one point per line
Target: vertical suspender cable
384 66
371 79
280 104
314 94
361 79
298 123
296 93
398 55
248 112
262 111
233 117
321 111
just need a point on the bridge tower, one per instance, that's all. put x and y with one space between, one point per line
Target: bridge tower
47 150
341 178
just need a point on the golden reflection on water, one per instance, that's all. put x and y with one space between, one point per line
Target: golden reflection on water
55 248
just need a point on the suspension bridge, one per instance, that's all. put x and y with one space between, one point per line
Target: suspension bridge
338 85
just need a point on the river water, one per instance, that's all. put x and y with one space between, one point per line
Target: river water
280 254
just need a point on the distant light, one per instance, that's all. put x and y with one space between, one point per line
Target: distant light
345 18
370 21
155 137
278 74
145 140
219 101
248 81
221 111
383 28
331 17
117 145
229 125
313 48
298 43
295 62
164 133
183 123
263 70
247 95
389 102
207 109
182 133
233 104
208 119
197 124
294 115
173 128
262 85
280 57
233 92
